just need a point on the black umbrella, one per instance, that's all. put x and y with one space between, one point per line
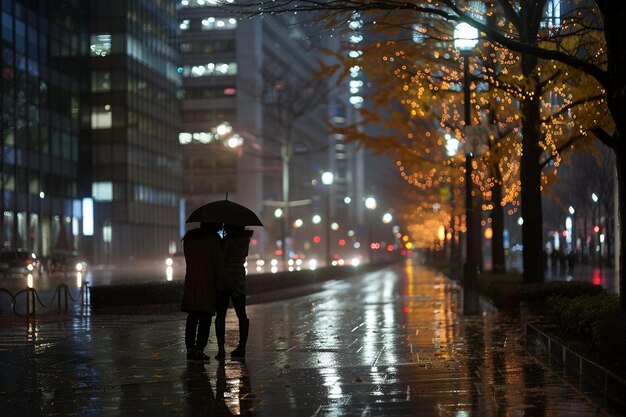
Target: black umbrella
225 211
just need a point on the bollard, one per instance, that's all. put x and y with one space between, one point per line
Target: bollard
62 290
30 302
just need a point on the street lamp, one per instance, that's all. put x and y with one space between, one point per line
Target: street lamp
574 242
465 38
327 180
370 204
597 249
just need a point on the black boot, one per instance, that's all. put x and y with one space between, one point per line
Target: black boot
204 328
190 336
220 335
240 352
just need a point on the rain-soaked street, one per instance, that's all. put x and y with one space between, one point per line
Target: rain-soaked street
387 343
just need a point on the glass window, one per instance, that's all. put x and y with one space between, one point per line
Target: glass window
552 17
20 36
56 143
8 180
32 42
107 232
66 146
213 23
102 119
7 28
210 69
33 185
100 81
100 44
102 191
202 3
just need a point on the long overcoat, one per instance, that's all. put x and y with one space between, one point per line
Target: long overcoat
235 249
203 258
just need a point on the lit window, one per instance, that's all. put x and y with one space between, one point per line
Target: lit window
552 16
212 23
203 3
102 191
100 44
107 232
102 119
210 69
184 138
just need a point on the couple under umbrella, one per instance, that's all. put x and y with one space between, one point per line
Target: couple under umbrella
215 254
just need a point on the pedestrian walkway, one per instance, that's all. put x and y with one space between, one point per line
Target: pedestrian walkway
386 343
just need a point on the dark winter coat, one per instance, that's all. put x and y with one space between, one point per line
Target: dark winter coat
203 257
235 247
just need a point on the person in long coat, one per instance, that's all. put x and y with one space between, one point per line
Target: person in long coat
203 256
231 285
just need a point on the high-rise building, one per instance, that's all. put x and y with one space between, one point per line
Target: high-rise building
256 123
134 125
44 45
90 157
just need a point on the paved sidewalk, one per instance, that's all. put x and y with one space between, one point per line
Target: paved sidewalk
387 343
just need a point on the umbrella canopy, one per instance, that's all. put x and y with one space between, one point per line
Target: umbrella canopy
225 211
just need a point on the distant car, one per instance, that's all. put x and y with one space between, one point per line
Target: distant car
66 262
18 263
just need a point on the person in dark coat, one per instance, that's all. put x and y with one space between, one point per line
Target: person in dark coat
203 256
231 285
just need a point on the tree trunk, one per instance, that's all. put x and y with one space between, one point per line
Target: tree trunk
497 225
530 176
620 163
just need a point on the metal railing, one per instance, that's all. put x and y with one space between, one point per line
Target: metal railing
603 387
33 303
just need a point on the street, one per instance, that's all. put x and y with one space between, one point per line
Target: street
384 343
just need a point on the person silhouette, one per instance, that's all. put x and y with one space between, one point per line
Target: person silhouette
231 285
203 257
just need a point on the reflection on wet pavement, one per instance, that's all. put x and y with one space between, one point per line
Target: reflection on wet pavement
385 343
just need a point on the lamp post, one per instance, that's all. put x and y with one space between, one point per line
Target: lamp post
327 180
572 211
465 38
597 228
370 204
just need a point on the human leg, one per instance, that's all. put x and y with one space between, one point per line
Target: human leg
221 304
239 303
204 328
191 326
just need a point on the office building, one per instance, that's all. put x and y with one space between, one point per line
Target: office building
253 116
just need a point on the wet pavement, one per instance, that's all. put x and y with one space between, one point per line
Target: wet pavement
386 343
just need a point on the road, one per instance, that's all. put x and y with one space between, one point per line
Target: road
391 342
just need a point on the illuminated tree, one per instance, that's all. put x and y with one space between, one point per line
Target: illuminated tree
587 37
428 86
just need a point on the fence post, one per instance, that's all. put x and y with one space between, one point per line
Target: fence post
84 293
580 372
30 302
550 351
62 290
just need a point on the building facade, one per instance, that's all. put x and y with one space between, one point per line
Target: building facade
134 125
256 124
43 46
90 157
